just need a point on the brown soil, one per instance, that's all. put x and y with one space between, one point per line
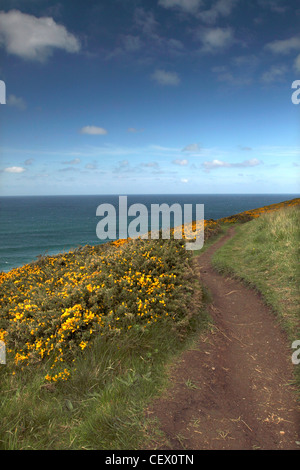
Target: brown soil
232 390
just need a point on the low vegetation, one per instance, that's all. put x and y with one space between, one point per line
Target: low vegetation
265 254
89 333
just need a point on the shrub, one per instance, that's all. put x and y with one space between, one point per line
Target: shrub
53 309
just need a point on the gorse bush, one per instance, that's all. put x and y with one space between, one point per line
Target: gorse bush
246 216
53 309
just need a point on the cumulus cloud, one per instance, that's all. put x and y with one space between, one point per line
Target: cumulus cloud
75 161
134 130
190 6
150 36
145 21
16 102
275 74
215 164
91 166
93 130
297 64
124 166
192 148
215 39
166 78
69 169
34 38
218 9
131 43
150 165
246 149
14 169
284 46
239 71
181 162
221 164
274 5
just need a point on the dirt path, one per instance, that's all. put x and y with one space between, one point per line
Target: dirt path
231 391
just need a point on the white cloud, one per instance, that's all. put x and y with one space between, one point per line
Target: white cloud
239 71
16 102
273 5
145 21
247 163
91 166
215 39
69 169
134 130
276 73
14 169
297 64
284 46
192 148
219 164
189 6
246 149
166 78
75 161
184 180
131 43
215 164
150 40
93 130
150 165
181 162
34 38
220 8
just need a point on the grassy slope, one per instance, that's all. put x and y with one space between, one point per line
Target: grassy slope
265 253
102 404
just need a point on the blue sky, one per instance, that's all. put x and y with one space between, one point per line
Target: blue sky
149 96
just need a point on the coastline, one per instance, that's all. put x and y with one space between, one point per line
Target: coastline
211 228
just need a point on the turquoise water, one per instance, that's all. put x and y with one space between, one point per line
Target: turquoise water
39 225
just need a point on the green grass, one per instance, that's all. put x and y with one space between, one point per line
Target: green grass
222 229
102 404
265 254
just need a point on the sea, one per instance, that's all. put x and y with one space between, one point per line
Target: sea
31 226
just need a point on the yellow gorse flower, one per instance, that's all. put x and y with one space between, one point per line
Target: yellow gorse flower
54 308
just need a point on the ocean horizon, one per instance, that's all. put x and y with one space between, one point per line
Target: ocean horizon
33 226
